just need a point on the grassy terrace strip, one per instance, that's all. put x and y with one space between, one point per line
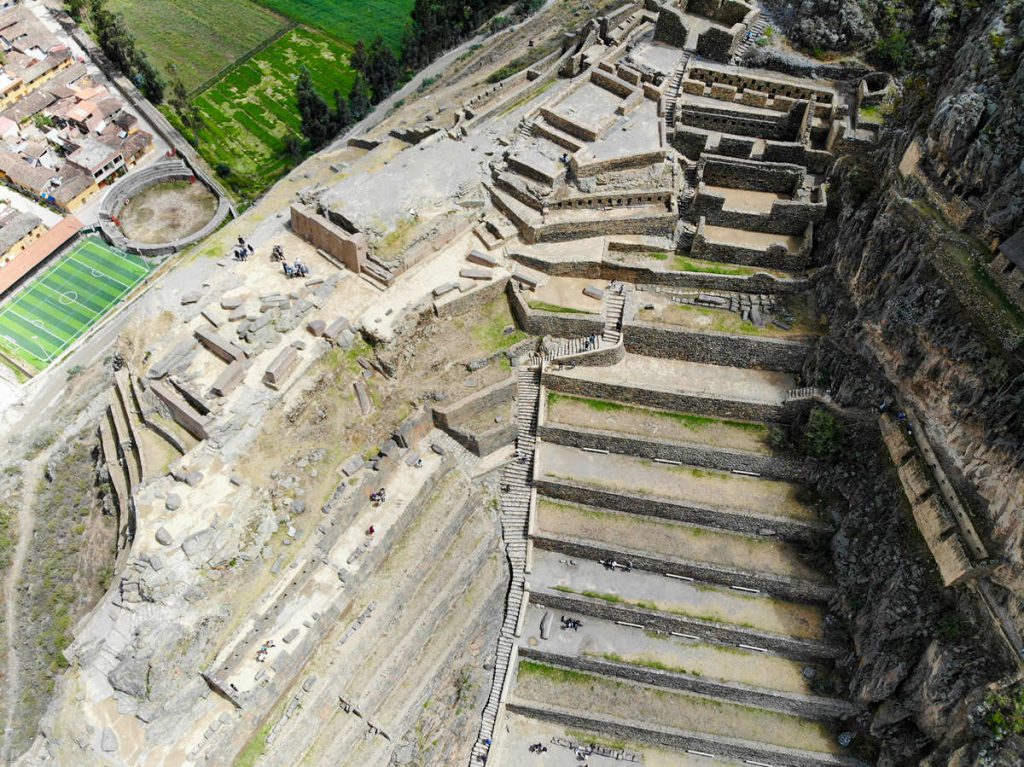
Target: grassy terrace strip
249 111
199 38
349 20
553 685
674 539
616 416
43 320
543 306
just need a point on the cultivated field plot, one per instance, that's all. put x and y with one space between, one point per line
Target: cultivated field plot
201 39
673 539
350 20
40 322
250 110
554 686
649 423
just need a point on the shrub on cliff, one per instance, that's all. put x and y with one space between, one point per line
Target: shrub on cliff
823 435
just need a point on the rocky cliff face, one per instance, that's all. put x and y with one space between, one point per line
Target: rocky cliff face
914 313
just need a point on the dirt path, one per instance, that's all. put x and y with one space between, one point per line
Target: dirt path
26 526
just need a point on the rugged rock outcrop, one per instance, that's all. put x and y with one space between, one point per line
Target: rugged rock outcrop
913 313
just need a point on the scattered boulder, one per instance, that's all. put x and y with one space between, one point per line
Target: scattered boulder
131 677
108 741
163 537
172 502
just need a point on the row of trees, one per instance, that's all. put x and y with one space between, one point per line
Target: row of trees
377 74
118 44
437 25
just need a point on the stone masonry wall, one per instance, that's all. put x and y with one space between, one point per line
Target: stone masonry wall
540 323
670 342
781 178
781 586
635 504
687 403
797 649
774 467
801 705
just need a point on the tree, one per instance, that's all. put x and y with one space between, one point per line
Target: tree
313 111
823 435
293 147
359 58
359 98
342 115
74 8
381 69
147 79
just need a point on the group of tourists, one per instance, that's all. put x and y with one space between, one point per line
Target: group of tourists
242 250
571 623
261 654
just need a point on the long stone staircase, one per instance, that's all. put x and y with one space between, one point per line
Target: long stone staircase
751 39
614 305
515 512
675 84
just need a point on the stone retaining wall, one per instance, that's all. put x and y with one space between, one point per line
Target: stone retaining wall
772 257
708 404
665 509
777 585
639 732
670 342
471 301
795 649
738 173
722 459
607 270
810 706
540 323
785 217
451 418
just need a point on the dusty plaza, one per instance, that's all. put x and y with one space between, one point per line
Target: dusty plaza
543 416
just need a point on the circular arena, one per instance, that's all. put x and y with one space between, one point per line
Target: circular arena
161 209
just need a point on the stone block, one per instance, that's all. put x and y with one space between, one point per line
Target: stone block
191 297
447 287
365 403
479 257
525 279
352 465
172 502
475 274
332 331
231 302
163 537
317 327
594 292
723 92
229 378
282 366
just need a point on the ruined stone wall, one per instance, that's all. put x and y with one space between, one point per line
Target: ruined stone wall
742 81
788 217
573 128
654 225
618 200
452 418
470 301
671 27
780 178
815 160
782 126
773 257
584 166
318 231
667 341
605 270
720 44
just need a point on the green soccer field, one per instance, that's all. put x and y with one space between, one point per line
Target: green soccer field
40 322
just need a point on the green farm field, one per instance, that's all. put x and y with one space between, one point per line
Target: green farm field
201 39
250 110
350 20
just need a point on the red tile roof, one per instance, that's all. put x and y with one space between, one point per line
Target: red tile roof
15 270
